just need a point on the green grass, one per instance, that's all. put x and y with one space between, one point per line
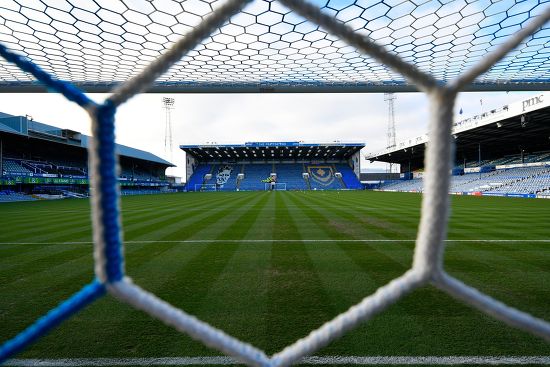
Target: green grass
271 293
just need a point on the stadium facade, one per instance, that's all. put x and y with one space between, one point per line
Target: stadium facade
501 152
273 165
46 161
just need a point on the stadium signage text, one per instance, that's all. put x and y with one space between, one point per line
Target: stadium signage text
272 144
532 102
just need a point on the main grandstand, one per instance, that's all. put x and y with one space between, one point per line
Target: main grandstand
501 152
273 165
42 161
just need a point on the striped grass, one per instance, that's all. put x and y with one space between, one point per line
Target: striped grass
276 290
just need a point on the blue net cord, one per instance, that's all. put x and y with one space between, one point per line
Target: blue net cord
54 317
105 134
107 184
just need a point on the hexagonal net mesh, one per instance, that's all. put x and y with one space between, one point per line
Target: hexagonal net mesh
268 47
441 86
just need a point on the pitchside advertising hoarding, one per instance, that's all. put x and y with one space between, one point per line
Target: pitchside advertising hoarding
67 181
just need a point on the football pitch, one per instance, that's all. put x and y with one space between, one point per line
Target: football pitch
269 267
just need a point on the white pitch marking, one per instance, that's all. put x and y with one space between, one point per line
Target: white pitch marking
324 360
284 241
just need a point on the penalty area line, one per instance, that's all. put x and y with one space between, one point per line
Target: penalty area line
324 360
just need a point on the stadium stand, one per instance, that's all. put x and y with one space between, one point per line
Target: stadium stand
13 167
349 177
513 181
254 174
292 175
502 153
322 177
225 177
197 180
291 165
48 162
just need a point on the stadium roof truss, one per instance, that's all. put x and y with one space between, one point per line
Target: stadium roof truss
268 48
522 125
272 151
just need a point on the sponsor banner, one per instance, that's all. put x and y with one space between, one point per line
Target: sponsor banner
530 196
69 181
517 165
512 195
472 169
45 174
7 182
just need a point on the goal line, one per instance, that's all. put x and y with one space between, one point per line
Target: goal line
324 360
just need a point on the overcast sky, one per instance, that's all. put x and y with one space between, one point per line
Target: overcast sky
239 118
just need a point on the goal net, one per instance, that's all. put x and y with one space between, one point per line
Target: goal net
275 186
321 51
206 187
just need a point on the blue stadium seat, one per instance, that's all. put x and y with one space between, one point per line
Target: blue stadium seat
253 176
348 177
198 176
291 175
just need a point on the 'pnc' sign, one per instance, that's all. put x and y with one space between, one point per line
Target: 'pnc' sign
532 102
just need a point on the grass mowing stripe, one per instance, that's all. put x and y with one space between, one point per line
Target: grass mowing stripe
347 222
184 285
143 216
328 220
366 220
170 226
344 282
297 300
182 281
44 222
422 325
239 306
194 279
16 253
13 273
175 228
377 264
40 231
242 220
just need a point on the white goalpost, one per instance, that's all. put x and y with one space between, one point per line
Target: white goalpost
279 186
206 187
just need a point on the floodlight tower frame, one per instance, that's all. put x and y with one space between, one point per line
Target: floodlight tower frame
168 106
391 138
